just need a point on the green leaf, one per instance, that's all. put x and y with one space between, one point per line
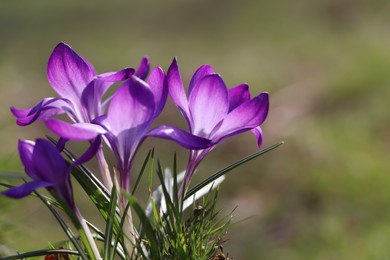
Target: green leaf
40 253
150 172
64 226
146 161
119 236
175 187
109 232
229 168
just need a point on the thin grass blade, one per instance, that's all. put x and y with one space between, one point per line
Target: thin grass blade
229 168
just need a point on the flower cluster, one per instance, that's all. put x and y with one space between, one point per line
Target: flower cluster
123 121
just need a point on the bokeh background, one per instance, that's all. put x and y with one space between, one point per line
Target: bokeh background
325 194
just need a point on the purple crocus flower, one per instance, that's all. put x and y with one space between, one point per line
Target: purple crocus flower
46 167
213 111
132 110
80 90
44 164
79 87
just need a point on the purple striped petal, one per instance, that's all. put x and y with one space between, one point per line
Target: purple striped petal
176 90
131 105
92 95
181 137
75 132
208 103
45 109
199 74
259 135
238 95
69 73
245 117
143 69
25 189
158 85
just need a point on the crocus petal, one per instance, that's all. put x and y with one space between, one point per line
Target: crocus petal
25 189
157 84
238 95
200 73
89 153
127 142
92 95
245 117
131 105
61 144
176 90
45 109
208 104
143 69
48 162
69 73
75 132
181 137
259 135
26 149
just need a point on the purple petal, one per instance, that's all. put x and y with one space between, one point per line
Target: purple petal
176 90
92 95
45 109
75 132
69 73
259 135
48 162
158 85
238 95
26 149
124 146
89 153
208 104
61 144
245 117
199 74
112 77
25 189
143 69
181 137
131 105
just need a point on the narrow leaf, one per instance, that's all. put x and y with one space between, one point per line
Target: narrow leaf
229 168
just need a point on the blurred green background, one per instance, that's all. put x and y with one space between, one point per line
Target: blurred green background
325 194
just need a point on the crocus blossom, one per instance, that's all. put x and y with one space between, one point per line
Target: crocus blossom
79 87
132 110
44 164
46 167
81 91
213 111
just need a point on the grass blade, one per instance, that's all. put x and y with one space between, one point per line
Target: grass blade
146 161
229 168
110 225
41 253
64 226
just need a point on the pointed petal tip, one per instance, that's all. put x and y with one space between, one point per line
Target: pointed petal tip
173 65
18 112
61 46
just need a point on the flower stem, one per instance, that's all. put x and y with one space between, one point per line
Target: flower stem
128 227
86 236
104 170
